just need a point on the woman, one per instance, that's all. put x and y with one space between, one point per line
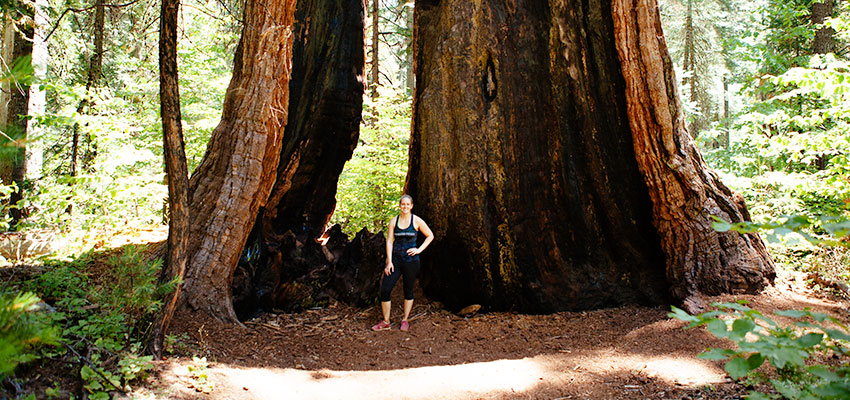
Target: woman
402 259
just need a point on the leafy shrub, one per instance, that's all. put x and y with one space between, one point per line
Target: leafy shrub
789 349
21 330
371 182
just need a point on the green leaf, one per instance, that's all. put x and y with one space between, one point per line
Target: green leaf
717 327
737 368
786 389
822 372
837 334
716 354
742 326
755 360
786 355
758 396
681 315
809 339
720 225
833 390
791 313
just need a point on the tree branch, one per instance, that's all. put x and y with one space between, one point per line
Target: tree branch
79 10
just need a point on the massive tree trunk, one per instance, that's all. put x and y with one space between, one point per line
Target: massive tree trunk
326 93
684 191
236 175
536 167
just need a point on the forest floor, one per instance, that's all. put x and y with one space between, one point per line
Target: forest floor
629 352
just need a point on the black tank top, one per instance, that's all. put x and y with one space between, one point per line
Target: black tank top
406 237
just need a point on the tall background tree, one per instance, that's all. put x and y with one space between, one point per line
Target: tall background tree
18 46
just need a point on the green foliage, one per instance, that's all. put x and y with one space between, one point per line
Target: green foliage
834 228
371 182
790 349
22 330
134 290
102 323
119 180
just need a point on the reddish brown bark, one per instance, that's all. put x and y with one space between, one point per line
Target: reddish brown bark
684 191
240 166
527 160
176 170
325 112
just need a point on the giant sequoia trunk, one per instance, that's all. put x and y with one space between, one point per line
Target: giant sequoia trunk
263 173
326 99
239 168
550 181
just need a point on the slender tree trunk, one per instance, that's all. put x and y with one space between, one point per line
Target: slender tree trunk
92 84
684 191
7 48
34 156
375 44
13 167
724 136
824 41
175 168
525 161
326 102
410 80
236 175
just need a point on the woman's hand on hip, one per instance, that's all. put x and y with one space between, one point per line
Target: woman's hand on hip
413 251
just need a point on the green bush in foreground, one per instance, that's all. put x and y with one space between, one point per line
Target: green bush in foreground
21 329
789 349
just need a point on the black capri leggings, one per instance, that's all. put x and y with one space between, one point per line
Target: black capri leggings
408 269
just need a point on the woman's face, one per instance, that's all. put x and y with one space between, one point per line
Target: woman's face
405 205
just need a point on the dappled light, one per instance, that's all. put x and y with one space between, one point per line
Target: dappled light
491 379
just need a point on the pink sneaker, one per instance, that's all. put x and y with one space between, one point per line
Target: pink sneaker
404 326
382 326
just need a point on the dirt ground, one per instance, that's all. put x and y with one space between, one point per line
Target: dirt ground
628 352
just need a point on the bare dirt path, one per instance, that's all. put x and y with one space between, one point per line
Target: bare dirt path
621 353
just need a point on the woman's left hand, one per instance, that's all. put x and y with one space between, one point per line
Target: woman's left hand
414 251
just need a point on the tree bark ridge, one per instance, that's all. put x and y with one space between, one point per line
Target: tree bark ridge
237 173
684 191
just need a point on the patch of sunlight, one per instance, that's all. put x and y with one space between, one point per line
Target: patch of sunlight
683 371
435 382
672 369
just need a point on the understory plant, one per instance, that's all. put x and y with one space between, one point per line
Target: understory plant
100 314
22 330
795 352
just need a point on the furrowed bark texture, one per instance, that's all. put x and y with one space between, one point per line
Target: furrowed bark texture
326 94
684 191
176 171
240 166
522 161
